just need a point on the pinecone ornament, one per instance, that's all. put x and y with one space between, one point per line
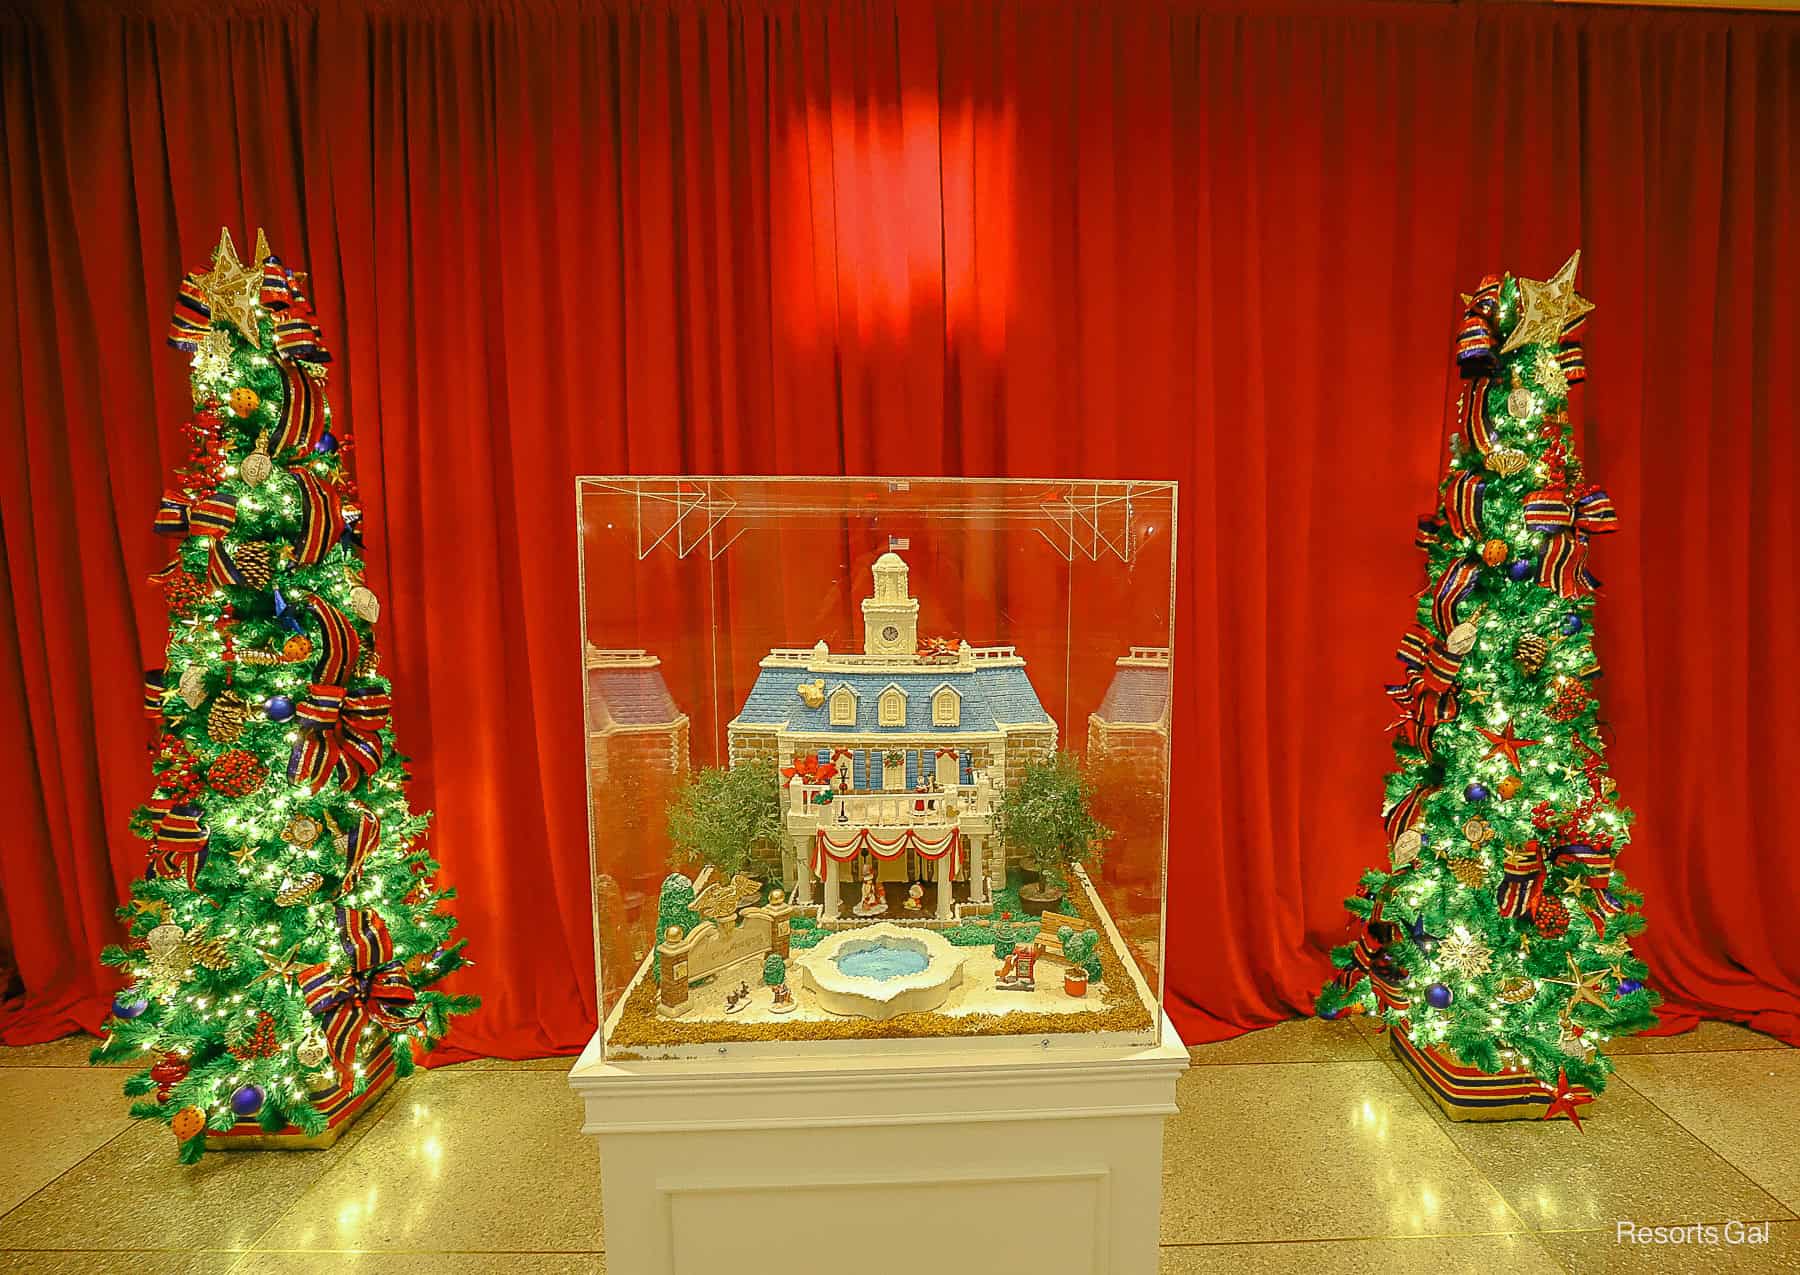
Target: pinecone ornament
256 562
226 720
1530 653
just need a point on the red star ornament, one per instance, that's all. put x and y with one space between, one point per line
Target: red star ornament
1506 743
1564 1100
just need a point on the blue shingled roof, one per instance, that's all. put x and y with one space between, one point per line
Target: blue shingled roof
990 697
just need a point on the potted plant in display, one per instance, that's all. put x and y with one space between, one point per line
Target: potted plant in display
721 817
1082 962
775 979
1048 818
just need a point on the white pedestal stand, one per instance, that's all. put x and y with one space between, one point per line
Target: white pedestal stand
914 1161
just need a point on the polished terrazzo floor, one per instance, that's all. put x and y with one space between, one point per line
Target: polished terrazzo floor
1298 1148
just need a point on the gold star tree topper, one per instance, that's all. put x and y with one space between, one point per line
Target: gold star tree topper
232 288
1547 307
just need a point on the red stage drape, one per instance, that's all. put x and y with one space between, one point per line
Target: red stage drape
1216 243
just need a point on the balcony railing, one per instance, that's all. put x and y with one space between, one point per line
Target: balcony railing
963 803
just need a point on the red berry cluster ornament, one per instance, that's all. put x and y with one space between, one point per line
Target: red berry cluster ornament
182 591
1551 917
236 773
262 1042
1569 699
177 773
206 458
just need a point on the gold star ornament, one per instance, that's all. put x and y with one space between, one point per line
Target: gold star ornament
232 288
1548 308
1584 986
281 968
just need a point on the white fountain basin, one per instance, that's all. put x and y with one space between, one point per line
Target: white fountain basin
830 970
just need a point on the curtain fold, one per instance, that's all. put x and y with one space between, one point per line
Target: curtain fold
1220 243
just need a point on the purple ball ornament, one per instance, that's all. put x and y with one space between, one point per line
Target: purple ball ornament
1571 624
279 708
1439 996
1475 792
327 443
1521 568
1629 985
126 1005
247 1101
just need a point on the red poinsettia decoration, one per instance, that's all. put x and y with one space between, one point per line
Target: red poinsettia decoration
808 769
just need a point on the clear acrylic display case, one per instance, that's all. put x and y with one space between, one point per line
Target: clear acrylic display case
848 741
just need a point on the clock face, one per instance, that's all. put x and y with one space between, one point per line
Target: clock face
890 634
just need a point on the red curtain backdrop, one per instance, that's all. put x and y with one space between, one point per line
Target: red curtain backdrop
1216 243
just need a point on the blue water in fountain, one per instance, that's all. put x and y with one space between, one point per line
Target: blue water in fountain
882 960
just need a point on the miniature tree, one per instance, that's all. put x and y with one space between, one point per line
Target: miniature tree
722 816
675 905
1500 930
1003 939
289 911
1079 950
774 970
1048 817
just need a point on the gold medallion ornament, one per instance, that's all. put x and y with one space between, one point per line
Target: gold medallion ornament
1530 653
1406 848
297 890
258 465
1519 403
192 686
310 1053
225 723
1478 831
1462 638
302 830
1547 308
365 604
1516 991
1507 461
171 959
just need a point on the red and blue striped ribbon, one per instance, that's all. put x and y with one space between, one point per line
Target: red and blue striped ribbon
1482 430
153 693
191 317
1521 880
180 845
364 838
1455 584
340 736
1478 339
373 990
1568 522
339 647
1404 813
321 516
301 422
182 515
1462 503
1429 534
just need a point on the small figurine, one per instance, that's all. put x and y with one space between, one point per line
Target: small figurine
874 899
915 897
784 1000
734 1001
1016 972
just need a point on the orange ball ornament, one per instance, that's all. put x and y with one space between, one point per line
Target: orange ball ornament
296 648
188 1122
1509 787
244 400
1494 552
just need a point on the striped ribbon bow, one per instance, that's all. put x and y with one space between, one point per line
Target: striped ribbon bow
181 515
1453 586
339 647
179 846
1593 866
1478 339
1568 521
297 334
1427 697
321 517
362 842
372 990
1462 503
340 735
1369 958
1404 813
1521 879
301 421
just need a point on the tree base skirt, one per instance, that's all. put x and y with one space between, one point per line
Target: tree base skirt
1463 1092
341 1107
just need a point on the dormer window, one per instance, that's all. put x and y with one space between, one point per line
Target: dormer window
946 707
843 707
890 709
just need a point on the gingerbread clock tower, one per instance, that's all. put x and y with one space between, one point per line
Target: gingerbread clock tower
891 617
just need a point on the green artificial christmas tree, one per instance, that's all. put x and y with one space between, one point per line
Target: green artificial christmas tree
1496 942
288 931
